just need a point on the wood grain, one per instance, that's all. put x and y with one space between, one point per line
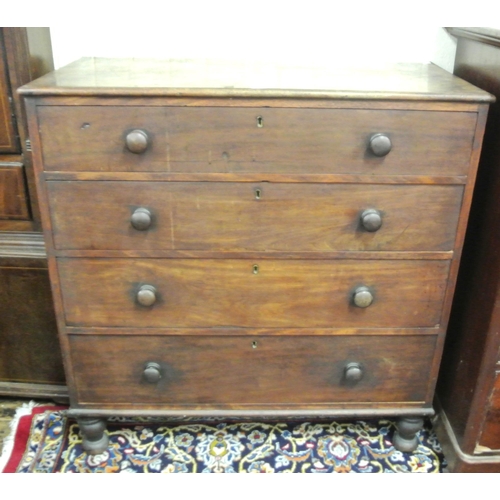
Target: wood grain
30 351
227 269
234 331
468 374
227 217
92 138
8 138
457 460
239 370
28 54
13 195
254 177
293 255
212 78
198 293
249 102
490 434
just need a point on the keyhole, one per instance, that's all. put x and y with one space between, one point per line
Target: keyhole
260 121
258 193
254 345
255 269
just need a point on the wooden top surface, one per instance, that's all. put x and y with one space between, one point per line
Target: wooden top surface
210 78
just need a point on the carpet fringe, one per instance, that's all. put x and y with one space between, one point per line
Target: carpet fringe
8 445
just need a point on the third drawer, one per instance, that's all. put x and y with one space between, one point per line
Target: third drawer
267 293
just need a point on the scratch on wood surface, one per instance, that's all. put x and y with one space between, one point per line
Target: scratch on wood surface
172 234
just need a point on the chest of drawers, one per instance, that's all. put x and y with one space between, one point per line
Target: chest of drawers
285 245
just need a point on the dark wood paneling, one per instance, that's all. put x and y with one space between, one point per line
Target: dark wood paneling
13 196
92 138
468 367
241 370
30 356
28 56
29 348
456 459
28 53
490 435
8 132
58 393
228 217
227 292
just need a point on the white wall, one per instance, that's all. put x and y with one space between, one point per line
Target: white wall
318 43
326 32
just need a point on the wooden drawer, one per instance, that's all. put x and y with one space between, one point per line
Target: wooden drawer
290 140
220 371
252 293
13 196
226 216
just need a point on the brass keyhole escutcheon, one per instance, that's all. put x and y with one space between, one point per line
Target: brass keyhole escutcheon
258 193
254 345
255 269
260 122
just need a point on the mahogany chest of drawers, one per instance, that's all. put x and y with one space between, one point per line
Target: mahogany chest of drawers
270 242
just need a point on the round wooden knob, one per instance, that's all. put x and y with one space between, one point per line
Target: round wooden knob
371 220
137 141
353 372
362 297
141 219
146 296
380 144
152 372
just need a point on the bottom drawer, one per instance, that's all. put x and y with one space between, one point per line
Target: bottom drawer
229 372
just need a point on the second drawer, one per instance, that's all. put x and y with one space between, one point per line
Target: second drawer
154 216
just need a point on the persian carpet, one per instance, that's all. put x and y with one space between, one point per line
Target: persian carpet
47 441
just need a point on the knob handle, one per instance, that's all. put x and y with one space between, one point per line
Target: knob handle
141 219
152 372
137 141
146 296
371 220
380 144
362 297
353 372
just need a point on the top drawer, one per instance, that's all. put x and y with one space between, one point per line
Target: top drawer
277 140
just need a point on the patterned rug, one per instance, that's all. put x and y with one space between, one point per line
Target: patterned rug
45 440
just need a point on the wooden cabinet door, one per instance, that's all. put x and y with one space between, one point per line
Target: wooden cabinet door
8 136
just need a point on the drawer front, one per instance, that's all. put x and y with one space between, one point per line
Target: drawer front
286 140
13 197
251 293
250 371
226 216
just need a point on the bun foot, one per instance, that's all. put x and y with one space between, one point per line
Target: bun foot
405 438
94 438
